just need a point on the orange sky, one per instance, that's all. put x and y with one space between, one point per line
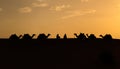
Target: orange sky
59 16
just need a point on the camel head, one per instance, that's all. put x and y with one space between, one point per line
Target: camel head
20 36
32 35
48 35
87 35
75 34
102 36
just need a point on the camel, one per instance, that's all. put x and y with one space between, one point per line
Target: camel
27 36
80 36
43 36
14 37
91 36
107 37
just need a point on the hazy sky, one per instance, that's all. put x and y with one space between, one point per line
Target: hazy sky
59 16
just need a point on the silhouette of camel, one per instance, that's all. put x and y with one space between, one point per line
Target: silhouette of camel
15 37
57 36
81 36
27 36
65 36
106 37
91 36
43 36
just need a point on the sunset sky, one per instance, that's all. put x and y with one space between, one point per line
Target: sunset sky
60 16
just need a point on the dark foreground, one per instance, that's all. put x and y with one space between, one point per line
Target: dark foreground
60 54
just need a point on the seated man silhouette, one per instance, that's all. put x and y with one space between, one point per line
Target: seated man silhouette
57 36
65 36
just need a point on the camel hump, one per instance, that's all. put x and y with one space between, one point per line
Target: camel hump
43 36
13 37
27 36
92 36
107 36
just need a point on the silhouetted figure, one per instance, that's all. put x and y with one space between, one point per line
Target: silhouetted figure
27 36
15 37
43 36
81 36
91 36
57 36
106 37
65 36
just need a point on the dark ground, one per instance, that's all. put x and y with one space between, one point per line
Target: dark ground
60 54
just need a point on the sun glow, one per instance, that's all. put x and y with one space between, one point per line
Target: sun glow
60 16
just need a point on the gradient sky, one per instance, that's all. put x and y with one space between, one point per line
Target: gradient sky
60 16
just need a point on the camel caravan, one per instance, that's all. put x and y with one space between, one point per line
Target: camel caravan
41 36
